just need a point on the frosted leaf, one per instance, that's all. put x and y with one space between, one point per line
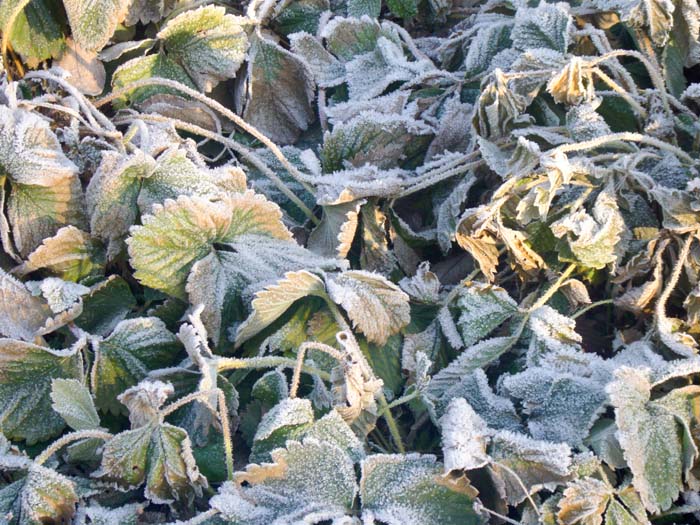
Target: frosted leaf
584 502
409 490
482 308
46 496
71 254
474 357
332 428
371 137
36 212
108 303
357 183
359 8
654 16
30 153
36 35
562 407
209 44
376 306
375 254
132 350
551 332
111 195
423 286
307 482
142 67
128 514
626 508
73 401
254 260
327 70
93 22
454 130
465 437
281 92
334 236
175 175
498 412
349 37
426 342
571 85
393 103
11 457
603 442
63 297
594 240
272 301
24 315
370 74
450 211
692 305
480 244
158 454
649 436
490 39
181 232
546 26
27 371
539 464
87 73
145 400
287 420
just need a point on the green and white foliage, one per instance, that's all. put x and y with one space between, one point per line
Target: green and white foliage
284 262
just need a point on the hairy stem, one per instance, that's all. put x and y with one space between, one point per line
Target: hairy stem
70 438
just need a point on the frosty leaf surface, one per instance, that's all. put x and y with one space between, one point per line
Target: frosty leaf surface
288 420
281 92
308 482
327 70
93 22
334 236
26 371
410 489
465 437
42 497
73 401
376 306
272 301
127 355
208 43
546 26
482 309
24 314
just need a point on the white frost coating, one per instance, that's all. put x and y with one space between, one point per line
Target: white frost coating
327 70
288 412
334 236
465 437
423 286
546 26
61 296
145 400
357 183
482 308
73 401
376 306
23 314
551 332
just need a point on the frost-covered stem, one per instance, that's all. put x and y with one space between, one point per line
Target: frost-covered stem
236 119
243 151
496 514
522 485
194 396
430 179
660 312
301 353
553 289
69 438
232 363
653 71
590 307
618 89
623 136
199 519
381 399
323 120
91 111
410 44
226 432
400 401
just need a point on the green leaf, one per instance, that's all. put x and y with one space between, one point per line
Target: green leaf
281 92
410 490
108 303
546 26
359 8
376 306
287 420
71 254
650 437
300 15
482 308
181 232
26 371
154 452
403 8
133 349
140 68
93 22
272 301
209 44
38 32
307 482
491 38
73 401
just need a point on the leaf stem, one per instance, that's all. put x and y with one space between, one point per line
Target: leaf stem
553 289
226 432
232 363
69 438
590 307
